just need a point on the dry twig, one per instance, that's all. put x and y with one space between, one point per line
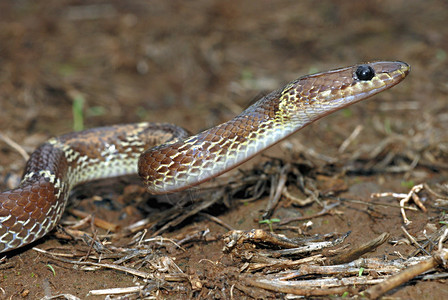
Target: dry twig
15 146
439 258
405 198
357 252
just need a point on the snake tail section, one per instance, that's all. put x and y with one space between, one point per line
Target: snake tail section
175 166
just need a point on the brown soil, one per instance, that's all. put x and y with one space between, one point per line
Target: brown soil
197 64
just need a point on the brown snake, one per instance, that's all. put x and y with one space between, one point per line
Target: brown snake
180 161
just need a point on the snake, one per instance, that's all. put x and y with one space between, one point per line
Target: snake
167 157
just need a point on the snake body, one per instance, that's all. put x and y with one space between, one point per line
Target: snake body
174 160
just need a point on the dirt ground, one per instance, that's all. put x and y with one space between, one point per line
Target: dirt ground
197 64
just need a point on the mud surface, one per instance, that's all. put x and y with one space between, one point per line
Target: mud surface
197 64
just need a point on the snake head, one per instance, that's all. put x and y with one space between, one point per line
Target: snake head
314 96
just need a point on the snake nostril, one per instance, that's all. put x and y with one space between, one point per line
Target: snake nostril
364 72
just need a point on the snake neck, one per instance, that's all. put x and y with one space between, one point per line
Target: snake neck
174 166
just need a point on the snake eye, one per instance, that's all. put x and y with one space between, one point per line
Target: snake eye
364 72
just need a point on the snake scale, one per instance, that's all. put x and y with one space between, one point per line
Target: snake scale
174 160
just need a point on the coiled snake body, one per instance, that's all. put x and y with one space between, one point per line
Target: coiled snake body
175 160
